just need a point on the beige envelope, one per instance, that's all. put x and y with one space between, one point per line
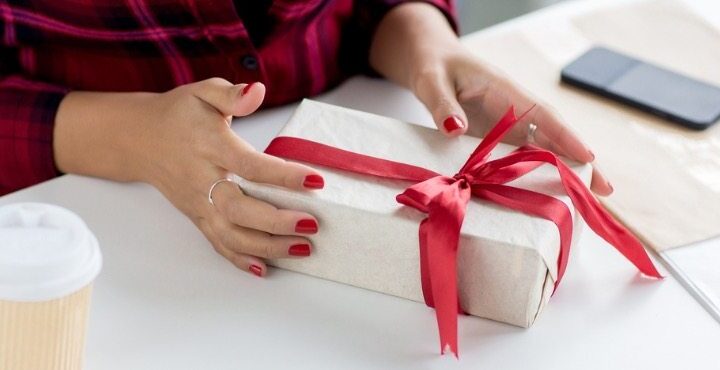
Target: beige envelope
666 178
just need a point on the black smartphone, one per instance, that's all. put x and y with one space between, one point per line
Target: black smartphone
656 90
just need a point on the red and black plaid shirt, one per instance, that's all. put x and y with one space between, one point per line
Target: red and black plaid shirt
49 47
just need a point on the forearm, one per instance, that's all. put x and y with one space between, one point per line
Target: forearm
409 40
99 134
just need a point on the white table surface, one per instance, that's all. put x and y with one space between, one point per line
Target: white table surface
696 267
165 299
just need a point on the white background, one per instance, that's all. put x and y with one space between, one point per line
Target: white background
166 300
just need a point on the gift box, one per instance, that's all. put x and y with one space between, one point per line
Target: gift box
507 260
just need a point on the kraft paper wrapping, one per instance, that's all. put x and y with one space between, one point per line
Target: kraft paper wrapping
44 335
507 261
666 178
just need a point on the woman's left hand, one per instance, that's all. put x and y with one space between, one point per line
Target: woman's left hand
415 46
465 95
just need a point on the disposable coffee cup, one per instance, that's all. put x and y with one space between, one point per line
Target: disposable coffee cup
48 261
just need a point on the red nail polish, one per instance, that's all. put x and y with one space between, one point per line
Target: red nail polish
592 155
452 123
247 88
306 226
314 182
257 270
299 250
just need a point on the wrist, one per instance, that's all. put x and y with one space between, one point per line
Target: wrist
411 38
96 134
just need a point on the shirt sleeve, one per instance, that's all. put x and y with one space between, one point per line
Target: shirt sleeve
367 14
27 117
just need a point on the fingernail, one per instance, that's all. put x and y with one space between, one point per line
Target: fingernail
306 226
247 88
257 270
299 250
314 182
452 123
592 155
611 187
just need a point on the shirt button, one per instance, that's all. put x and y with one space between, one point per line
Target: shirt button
250 62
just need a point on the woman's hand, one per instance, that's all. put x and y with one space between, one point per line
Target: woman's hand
415 46
465 95
181 143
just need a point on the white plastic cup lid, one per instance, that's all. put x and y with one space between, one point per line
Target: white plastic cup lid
46 252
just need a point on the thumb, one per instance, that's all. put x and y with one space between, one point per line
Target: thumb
438 95
230 100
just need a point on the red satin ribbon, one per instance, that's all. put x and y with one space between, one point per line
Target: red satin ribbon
445 199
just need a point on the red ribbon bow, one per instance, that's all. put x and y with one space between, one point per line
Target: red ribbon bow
445 199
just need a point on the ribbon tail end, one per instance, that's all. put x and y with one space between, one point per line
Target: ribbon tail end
448 347
647 267
654 274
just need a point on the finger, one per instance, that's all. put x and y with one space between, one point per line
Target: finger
258 243
244 262
558 135
599 184
437 93
230 100
250 264
252 213
242 159
541 140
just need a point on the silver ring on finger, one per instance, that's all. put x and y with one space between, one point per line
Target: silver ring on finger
532 128
216 183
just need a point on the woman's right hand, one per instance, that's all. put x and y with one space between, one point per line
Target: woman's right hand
181 143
